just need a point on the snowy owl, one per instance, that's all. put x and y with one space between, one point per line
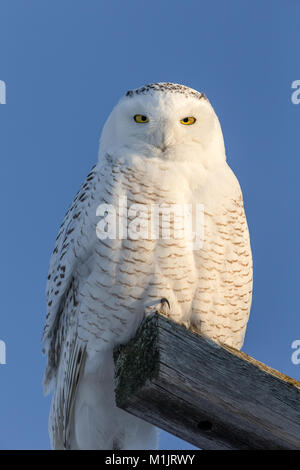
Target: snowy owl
161 146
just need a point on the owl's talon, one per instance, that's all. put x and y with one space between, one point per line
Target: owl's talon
165 300
161 308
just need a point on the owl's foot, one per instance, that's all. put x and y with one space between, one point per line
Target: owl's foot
162 308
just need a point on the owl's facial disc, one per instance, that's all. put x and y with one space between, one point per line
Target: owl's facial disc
142 119
165 121
160 122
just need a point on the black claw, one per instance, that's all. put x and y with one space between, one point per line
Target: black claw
163 300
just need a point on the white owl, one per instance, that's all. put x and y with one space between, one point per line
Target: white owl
161 145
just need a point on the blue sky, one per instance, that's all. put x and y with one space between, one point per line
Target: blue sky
65 64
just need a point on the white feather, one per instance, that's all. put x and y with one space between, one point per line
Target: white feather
98 289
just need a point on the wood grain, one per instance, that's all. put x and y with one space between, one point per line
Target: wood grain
212 396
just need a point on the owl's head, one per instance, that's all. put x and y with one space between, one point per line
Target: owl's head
164 120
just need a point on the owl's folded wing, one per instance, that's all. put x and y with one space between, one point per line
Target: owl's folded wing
74 243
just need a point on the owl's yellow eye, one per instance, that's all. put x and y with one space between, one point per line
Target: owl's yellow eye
140 118
188 120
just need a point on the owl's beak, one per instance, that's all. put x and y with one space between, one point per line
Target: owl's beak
163 136
163 146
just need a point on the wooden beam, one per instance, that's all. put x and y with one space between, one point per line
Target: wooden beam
212 396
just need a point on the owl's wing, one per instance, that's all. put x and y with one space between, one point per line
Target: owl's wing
236 280
73 246
70 350
66 352
224 289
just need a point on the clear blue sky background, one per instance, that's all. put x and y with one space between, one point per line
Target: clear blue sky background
66 63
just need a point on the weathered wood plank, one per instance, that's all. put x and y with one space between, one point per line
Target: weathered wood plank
211 396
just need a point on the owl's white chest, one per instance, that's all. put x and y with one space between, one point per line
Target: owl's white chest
132 271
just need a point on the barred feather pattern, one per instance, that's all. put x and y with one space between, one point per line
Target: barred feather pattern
99 289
